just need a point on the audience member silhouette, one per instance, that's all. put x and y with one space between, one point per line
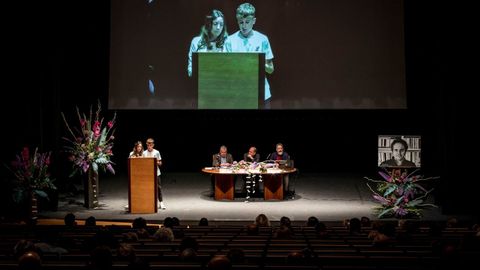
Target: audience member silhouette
23 246
262 221
203 222
312 221
295 258
130 237
365 222
69 220
126 252
188 254
252 229
30 260
164 234
139 223
355 226
219 262
90 222
283 232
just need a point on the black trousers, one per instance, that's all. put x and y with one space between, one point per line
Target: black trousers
159 180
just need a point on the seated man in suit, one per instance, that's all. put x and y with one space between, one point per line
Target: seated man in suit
281 157
221 159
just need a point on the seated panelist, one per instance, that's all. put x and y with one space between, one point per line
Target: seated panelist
223 158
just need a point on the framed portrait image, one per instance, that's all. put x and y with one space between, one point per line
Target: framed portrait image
399 151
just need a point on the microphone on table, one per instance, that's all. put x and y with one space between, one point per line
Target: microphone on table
268 158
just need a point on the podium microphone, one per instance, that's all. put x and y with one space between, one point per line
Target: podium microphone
268 157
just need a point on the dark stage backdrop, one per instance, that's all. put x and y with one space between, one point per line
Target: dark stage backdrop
60 58
328 54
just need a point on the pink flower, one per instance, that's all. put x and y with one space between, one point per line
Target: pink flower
25 155
96 129
90 141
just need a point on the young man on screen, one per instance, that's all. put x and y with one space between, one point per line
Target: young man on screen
399 149
248 40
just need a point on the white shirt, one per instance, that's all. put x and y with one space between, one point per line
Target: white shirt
194 48
154 154
256 42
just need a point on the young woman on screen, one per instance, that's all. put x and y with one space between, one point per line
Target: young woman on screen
212 36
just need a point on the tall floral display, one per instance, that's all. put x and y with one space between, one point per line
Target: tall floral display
400 194
32 177
90 149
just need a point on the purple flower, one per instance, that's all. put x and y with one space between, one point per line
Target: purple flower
385 176
400 211
381 199
91 142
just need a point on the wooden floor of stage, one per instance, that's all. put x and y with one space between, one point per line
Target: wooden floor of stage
329 197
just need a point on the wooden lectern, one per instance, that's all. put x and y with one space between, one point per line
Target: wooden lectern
142 185
229 80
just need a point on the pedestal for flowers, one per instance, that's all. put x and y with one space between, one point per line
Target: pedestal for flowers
91 189
33 213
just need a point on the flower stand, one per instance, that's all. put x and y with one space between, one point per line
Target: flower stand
91 189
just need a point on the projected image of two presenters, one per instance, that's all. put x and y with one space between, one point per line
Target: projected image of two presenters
345 54
236 79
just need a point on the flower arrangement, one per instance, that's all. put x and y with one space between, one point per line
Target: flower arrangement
250 167
254 171
91 143
400 194
31 174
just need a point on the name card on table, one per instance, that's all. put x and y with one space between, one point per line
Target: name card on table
274 170
225 170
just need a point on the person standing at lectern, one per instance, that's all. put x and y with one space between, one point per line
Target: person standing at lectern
212 37
248 40
399 149
152 152
280 157
137 150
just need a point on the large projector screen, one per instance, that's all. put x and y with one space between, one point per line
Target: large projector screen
327 54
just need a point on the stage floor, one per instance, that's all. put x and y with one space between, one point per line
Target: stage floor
329 197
